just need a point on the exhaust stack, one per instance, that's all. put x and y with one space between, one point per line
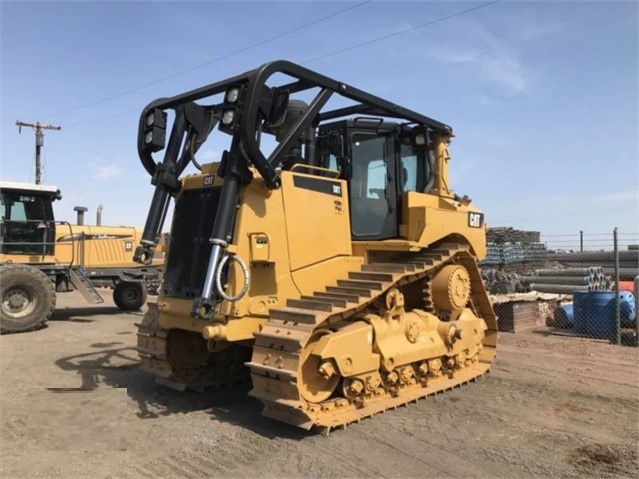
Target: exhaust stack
81 210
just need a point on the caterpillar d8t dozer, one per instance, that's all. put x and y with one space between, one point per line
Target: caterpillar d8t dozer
324 254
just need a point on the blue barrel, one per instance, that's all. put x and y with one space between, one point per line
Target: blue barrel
564 315
594 313
627 308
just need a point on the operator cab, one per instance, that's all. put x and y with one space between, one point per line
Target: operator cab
26 218
380 161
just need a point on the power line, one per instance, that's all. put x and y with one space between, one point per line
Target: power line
432 22
586 240
117 115
589 234
406 30
223 57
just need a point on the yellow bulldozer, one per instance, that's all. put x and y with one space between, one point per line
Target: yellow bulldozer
40 257
324 255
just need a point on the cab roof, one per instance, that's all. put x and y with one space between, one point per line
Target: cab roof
29 188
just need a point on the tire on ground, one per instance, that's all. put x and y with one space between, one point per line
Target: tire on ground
27 298
129 295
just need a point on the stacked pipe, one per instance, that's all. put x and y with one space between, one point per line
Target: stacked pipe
510 235
500 282
506 253
625 274
569 280
627 259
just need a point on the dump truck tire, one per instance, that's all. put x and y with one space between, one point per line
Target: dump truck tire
28 298
129 295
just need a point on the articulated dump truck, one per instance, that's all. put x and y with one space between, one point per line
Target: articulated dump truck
324 256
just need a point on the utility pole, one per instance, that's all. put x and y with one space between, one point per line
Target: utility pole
39 136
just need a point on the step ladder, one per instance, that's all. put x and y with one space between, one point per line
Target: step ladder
82 284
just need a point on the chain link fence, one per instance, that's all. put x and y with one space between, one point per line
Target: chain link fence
579 284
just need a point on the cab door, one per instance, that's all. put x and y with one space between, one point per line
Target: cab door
366 159
372 186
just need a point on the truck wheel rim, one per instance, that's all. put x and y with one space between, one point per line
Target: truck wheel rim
18 302
131 294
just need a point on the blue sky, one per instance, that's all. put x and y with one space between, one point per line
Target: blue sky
542 95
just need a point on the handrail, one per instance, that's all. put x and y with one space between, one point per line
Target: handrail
298 166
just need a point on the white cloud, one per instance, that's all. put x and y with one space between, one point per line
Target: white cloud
107 172
505 71
454 56
530 24
500 67
491 56
536 30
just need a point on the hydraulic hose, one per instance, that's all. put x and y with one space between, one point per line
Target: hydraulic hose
218 277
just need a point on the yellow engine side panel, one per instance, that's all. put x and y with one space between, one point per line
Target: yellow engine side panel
261 241
284 233
292 240
103 247
317 219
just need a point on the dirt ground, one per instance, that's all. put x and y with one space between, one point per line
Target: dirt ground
551 407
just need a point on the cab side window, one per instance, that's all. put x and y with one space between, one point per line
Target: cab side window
414 172
18 212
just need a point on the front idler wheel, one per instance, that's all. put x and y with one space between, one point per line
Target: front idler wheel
318 378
